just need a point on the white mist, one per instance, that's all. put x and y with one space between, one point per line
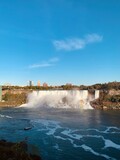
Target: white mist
61 99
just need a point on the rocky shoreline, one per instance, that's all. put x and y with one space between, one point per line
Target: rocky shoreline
15 151
105 105
108 100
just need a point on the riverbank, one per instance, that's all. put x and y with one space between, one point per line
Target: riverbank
7 104
15 151
97 104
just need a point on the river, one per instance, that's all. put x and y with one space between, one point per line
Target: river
57 134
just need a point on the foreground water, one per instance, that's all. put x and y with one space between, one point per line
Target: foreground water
64 133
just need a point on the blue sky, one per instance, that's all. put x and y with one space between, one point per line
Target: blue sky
59 41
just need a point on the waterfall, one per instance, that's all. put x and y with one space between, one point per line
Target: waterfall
60 99
97 93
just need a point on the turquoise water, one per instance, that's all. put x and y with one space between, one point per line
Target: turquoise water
64 133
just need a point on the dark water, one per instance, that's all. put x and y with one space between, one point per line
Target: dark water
64 134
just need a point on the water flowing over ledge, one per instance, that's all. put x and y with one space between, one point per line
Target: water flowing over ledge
61 99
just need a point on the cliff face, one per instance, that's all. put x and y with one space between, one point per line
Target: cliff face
107 100
114 92
14 97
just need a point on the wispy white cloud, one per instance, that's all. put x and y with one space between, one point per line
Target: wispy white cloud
55 59
76 43
49 63
92 38
40 65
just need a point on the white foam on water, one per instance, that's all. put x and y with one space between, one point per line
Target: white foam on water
87 148
52 131
76 146
47 125
66 134
71 141
70 135
111 127
107 130
70 138
59 137
65 139
5 116
41 130
109 143
94 136
57 147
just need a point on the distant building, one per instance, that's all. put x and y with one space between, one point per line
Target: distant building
7 84
68 84
0 93
45 85
38 84
30 83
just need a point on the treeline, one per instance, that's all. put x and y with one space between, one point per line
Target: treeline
105 86
27 88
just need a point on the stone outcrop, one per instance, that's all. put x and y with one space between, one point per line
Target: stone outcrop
107 100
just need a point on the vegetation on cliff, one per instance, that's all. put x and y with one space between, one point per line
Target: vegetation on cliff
11 99
107 100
